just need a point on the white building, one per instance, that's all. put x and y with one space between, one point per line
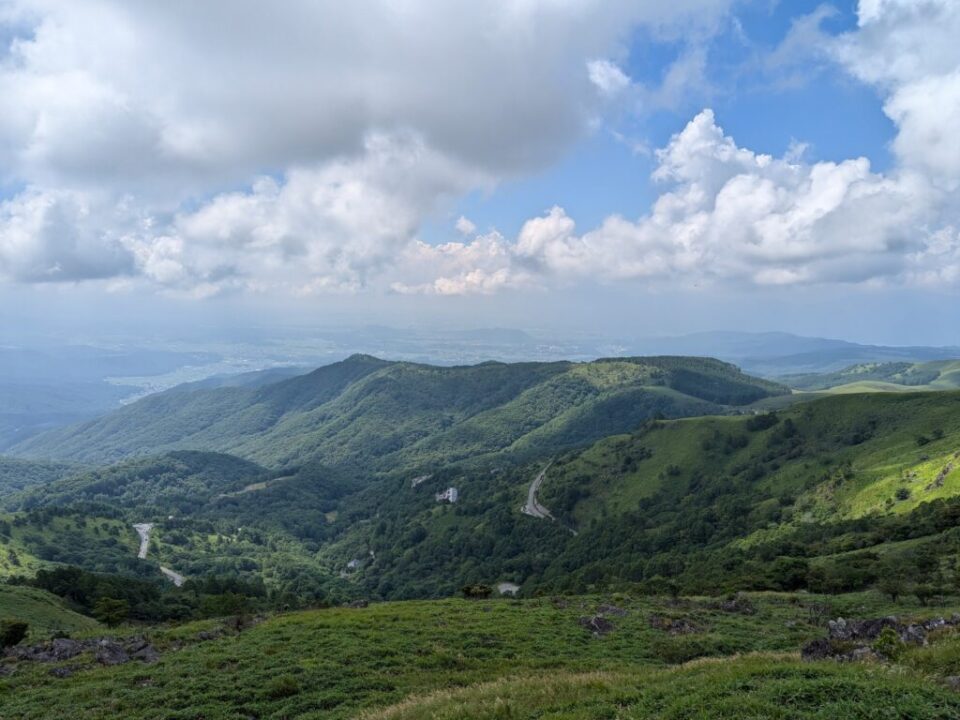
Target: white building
449 495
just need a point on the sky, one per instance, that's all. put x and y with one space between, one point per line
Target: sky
639 167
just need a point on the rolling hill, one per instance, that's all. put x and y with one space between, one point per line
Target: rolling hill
374 414
882 377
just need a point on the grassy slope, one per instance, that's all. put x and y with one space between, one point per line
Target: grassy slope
883 377
495 659
886 458
30 541
371 413
44 612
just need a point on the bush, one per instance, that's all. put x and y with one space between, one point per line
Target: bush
111 611
282 687
889 644
12 632
476 592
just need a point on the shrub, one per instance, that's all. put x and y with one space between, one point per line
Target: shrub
12 632
476 592
111 611
282 687
889 644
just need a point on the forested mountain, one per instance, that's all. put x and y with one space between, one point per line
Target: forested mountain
822 495
374 414
17 475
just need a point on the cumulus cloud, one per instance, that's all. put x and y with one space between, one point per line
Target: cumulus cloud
320 228
304 149
53 236
160 106
608 77
731 213
908 50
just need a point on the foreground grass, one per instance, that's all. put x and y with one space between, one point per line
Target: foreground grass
742 688
518 659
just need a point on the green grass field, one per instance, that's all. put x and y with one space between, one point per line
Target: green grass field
505 659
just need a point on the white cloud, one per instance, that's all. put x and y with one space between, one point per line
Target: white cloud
732 214
348 126
157 107
328 227
465 226
608 77
909 51
54 236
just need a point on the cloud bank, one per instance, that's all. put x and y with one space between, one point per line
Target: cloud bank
226 146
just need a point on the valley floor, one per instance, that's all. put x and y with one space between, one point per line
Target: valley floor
535 658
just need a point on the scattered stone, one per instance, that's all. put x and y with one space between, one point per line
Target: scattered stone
357 604
61 672
143 651
208 635
850 640
674 626
52 651
597 624
739 604
611 610
6 670
819 649
110 652
953 682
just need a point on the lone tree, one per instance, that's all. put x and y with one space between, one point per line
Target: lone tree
111 611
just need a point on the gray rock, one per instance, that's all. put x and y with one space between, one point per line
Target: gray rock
597 625
140 649
110 652
674 626
61 672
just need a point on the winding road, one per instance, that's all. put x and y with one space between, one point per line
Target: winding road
143 530
533 506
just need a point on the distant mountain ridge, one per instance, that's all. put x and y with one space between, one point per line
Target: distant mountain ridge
773 354
375 413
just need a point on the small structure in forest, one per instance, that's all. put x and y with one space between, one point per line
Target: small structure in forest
449 495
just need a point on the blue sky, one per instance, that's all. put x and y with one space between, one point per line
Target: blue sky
836 116
543 162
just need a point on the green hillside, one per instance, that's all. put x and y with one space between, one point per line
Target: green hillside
715 503
882 377
175 483
457 659
18 475
373 414
44 612
771 501
46 537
